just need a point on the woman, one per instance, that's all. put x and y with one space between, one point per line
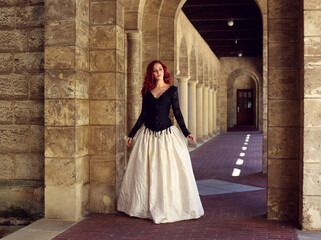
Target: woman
159 183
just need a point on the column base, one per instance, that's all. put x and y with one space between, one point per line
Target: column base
210 135
205 137
194 144
200 140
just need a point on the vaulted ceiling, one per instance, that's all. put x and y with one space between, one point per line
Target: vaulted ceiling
210 18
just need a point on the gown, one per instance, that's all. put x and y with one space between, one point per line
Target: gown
159 182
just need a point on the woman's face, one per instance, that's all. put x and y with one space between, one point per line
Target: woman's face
158 71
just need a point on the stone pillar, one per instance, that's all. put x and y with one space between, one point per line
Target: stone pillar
134 80
183 96
205 112
210 112
310 163
107 103
66 109
192 115
199 113
214 112
283 136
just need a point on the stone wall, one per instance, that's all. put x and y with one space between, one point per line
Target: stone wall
310 191
21 108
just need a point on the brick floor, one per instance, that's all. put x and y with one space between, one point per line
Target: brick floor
233 216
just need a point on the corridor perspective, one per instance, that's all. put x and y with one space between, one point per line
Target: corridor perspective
248 81
234 203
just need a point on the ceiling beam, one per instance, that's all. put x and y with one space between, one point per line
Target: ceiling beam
209 3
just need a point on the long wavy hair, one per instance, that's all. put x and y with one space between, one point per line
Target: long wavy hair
149 80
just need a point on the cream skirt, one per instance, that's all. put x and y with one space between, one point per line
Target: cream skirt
159 182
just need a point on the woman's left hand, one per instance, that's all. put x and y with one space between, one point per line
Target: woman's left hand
191 138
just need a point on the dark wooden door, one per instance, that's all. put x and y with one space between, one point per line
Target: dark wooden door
245 107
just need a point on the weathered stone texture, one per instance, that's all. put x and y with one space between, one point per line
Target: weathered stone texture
102 140
103 13
6 166
99 60
14 86
312 4
82 141
312 113
283 84
311 145
312 46
283 30
282 204
311 213
29 62
36 40
70 196
312 179
284 113
6 112
82 112
14 139
102 171
30 16
60 172
312 23
283 173
60 9
61 32
312 79
283 143
82 84
36 86
284 9
29 112
103 112
7 17
60 112
37 138
29 166
60 84
281 50
102 198
59 142
15 40
6 62
60 58
102 86
13 2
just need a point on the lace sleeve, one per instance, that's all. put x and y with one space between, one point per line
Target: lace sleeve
178 114
139 121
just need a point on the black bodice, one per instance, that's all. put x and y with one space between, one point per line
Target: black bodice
155 112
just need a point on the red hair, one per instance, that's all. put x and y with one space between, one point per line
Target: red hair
149 80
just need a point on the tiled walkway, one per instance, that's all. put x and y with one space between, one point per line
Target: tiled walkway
232 212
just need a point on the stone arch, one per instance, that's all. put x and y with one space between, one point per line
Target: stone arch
183 63
133 10
231 99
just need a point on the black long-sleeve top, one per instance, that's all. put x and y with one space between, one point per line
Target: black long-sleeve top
155 112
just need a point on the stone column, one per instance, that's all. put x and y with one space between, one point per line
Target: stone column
192 109
214 113
210 112
183 96
199 112
134 82
205 112
107 103
66 109
310 162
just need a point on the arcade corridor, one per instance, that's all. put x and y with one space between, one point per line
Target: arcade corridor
235 206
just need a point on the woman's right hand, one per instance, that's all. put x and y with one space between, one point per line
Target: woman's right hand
128 141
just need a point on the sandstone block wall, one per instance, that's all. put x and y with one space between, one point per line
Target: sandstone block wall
310 164
21 108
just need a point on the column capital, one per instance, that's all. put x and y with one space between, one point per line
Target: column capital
200 85
192 83
133 34
183 78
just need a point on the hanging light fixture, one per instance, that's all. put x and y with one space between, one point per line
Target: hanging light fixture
236 40
240 54
230 22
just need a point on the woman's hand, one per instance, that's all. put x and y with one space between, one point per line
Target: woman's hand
128 141
191 138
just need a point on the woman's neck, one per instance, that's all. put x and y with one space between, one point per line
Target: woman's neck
160 83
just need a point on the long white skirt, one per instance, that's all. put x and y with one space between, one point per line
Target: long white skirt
159 182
